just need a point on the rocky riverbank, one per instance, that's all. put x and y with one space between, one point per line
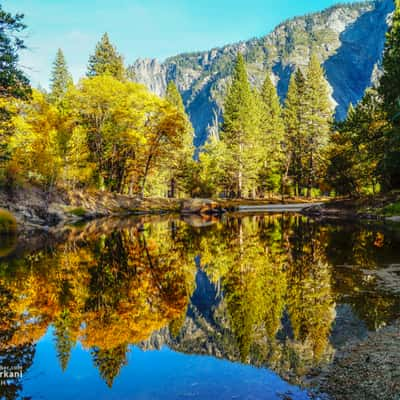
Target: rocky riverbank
35 209
379 208
364 370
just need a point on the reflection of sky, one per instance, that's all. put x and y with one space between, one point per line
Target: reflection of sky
163 374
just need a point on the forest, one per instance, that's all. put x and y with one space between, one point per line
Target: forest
107 132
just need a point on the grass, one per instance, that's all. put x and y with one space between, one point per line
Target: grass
8 223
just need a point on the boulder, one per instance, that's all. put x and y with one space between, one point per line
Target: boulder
200 206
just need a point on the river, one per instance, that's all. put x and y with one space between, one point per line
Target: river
242 307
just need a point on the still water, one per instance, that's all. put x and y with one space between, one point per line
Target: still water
166 308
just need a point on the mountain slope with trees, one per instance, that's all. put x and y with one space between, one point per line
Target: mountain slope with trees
347 38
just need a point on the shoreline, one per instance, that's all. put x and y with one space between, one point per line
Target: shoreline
373 208
362 369
36 210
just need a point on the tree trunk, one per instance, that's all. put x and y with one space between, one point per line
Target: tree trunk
172 188
146 171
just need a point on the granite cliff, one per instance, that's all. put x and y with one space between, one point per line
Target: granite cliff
349 39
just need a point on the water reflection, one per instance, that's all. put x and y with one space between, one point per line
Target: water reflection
262 290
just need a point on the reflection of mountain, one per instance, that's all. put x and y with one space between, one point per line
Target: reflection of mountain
259 290
207 330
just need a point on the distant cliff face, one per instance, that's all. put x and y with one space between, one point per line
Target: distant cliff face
348 38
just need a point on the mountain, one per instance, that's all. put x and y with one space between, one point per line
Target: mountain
349 39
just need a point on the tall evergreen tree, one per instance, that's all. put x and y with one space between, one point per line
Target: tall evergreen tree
390 81
60 78
357 148
390 91
13 82
295 131
318 116
106 60
240 130
272 134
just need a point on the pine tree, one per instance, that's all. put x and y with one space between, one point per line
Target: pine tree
272 134
13 82
318 116
295 131
357 148
390 91
60 78
240 130
106 60
390 81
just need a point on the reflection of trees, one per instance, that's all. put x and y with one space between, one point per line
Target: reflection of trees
110 361
352 249
310 303
113 286
16 356
254 287
269 265
108 291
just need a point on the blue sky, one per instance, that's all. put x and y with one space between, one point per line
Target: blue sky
143 28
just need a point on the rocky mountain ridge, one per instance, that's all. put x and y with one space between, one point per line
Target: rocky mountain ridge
348 38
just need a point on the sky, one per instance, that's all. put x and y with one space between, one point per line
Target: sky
142 28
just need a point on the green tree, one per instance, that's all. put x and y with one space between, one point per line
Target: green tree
13 82
60 78
106 60
358 148
389 89
318 116
272 135
212 175
390 81
240 130
295 131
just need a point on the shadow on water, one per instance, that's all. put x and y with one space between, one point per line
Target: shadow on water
281 292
